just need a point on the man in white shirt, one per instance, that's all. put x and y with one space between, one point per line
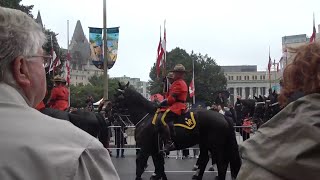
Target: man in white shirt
32 145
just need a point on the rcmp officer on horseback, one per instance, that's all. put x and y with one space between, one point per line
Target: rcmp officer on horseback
173 106
59 98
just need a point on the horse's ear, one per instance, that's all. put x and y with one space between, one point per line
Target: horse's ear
255 97
120 85
127 85
274 91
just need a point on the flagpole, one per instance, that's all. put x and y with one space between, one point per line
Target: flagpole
269 69
275 72
165 48
69 98
105 53
52 49
194 87
314 25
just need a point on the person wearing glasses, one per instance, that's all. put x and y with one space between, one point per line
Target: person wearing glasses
59 98
33 145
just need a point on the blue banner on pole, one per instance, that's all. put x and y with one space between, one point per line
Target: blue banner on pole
96 46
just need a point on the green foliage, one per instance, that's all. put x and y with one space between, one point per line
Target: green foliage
95 89
15 4
208 75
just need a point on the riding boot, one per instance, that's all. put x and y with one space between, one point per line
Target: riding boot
169 144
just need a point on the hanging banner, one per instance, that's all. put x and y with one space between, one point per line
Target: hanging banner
96 53
112 45
96 48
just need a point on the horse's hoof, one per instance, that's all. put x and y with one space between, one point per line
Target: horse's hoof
211 168
195 177
164 177
155 177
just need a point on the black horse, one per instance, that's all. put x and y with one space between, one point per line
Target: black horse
266 108
272 107
93 123
211 131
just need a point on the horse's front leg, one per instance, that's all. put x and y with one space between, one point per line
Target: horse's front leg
202 163
141 161
158 161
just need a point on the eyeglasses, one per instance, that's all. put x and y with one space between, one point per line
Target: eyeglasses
46 59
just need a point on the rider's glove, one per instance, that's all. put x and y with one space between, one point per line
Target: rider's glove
163 103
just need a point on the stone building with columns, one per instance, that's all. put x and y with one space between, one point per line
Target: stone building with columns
246 81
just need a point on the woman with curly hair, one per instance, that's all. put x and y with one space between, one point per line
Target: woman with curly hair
288 146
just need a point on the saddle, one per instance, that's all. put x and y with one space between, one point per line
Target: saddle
185 120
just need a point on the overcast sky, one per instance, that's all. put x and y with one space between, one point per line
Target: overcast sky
234 32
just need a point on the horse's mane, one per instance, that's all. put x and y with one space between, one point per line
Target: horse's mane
138 100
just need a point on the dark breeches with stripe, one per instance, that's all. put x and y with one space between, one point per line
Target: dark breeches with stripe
165 125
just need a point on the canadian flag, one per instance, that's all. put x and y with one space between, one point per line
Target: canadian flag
159 57
54 62
314 32
191 88
269 64
161 61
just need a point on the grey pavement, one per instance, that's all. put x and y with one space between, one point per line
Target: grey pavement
175 168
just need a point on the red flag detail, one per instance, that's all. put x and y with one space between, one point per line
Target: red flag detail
164 45
313 36
269 64
191 88
159 57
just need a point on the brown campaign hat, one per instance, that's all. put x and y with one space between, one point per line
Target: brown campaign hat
179 68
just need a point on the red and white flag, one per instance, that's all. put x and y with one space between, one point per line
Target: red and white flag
269 64
313 36
164 45
159 57
161 53
191 88
55 61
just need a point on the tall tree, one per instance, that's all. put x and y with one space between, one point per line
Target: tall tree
15 4
95 89
208 75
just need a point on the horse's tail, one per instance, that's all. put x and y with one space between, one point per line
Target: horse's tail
233 150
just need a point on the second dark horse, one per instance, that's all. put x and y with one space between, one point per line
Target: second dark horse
215 134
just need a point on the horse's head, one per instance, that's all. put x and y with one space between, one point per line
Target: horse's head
120 101
248 106
129 98
259 110
272 107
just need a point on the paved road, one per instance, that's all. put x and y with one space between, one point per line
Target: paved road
177 169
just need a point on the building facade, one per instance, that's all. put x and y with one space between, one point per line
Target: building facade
141 86
81 67
246 81
293 41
